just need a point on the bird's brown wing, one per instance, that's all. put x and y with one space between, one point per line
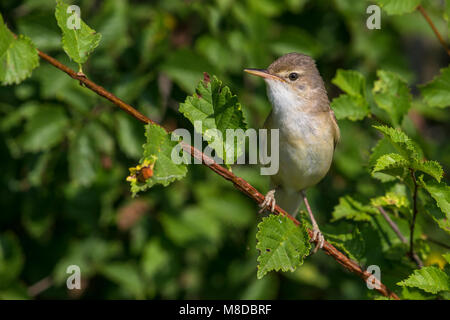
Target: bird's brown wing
336 131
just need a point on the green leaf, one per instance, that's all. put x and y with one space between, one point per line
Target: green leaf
382 147
432 206
296 40
18 56
158 149
411 155
429 279
185 68
89 253
11 258
440 192
446 13
404 145
37 223
45 129
101 138
390 161
391 94
154 258
282 245
193 225
437 92
350 209
393 7
77 43
447 257
129 135
391 199
350 107
415 294
83 159
351 243
351 82
127 276
37 174
433 168
213 110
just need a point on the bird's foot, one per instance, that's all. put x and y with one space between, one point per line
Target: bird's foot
269 202
318 238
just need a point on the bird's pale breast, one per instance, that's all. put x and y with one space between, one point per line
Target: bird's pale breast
306 148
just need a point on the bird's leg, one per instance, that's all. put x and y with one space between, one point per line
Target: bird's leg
317 235
269 202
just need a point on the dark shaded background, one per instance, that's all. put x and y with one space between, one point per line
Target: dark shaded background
64 199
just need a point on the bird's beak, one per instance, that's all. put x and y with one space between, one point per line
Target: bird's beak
263 74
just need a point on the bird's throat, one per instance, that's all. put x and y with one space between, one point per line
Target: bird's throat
283 98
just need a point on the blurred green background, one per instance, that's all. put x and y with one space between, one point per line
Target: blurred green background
65 152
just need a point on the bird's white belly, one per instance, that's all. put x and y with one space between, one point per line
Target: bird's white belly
305 151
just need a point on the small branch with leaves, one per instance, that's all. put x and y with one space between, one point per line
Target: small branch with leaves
238 182
283 242
422 11
397 231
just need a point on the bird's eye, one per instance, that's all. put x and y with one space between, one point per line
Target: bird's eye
293 76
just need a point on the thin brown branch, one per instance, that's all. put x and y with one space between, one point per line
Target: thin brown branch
435 30
238 182
413 221
402 238
40 286
392 224
439 243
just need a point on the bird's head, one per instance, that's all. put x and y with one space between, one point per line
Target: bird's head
293 81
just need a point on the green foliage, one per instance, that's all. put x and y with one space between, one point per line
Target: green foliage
440 192
432 168
382 147
349 107
66 151
127 276
391 161
18 56
429 279
351 243
349 208
391 199
430 206
11 258
45 129
82 158
282 245
351 82
446 14
404 145
437 92
409 157
77 43
392 95
394 7
213 110
353 104
158 150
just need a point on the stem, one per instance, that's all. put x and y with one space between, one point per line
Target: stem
413 222
435 30
238 182
444 245
402 238
40 286
392 224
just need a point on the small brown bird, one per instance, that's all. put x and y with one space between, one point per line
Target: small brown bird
308 132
